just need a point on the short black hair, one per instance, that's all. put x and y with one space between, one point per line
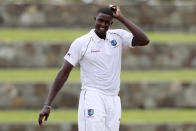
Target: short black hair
105 10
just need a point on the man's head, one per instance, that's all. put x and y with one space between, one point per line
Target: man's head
103 20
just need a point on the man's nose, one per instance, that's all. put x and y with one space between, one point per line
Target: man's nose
104 24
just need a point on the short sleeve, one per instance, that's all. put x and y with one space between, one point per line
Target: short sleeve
74 54
127 38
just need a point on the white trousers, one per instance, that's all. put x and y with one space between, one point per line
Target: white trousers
98 112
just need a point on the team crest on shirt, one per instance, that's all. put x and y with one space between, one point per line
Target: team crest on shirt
113 42
90 112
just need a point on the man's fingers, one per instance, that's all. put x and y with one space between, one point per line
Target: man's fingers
113 7
43 116
46 117
40 119
110 5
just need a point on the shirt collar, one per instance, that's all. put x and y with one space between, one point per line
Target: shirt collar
95 37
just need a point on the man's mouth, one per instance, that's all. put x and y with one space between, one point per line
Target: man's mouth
102 29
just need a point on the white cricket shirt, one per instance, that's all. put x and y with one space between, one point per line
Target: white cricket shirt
100 60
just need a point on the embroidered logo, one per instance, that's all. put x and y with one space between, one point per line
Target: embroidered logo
68 54
114 42
90 112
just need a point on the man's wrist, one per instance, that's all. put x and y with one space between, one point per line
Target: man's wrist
121 18
47 106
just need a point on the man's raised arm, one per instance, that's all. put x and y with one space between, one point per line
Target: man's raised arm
139 39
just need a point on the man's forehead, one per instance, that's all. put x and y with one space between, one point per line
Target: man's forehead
103 15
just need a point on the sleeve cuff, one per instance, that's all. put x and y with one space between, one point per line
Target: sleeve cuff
70 61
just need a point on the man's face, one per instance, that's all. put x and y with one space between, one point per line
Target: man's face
102 23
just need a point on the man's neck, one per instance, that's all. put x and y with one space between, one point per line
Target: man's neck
101 35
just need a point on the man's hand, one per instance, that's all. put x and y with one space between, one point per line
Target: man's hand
116 11
44 114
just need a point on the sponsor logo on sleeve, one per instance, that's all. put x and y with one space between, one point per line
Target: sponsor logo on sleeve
68 54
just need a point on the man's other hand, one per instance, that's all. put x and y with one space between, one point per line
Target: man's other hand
44 114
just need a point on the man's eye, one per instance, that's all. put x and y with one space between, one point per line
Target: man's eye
100 20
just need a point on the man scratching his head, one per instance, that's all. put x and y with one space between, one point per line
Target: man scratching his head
99 55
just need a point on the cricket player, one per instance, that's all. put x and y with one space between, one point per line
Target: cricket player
99 55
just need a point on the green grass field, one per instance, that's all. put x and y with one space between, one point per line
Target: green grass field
128 116
68 35
48 75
